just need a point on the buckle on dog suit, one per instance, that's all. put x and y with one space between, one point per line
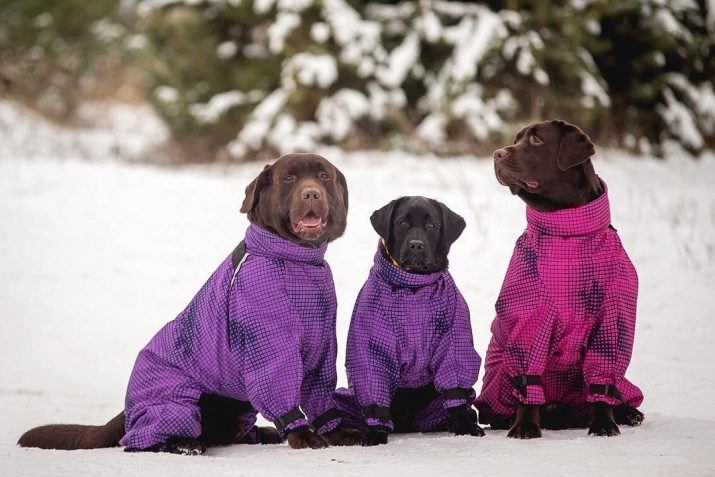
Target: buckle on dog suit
606 390
523 380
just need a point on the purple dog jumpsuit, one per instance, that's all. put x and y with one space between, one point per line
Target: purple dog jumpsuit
407 331
265 334
566 316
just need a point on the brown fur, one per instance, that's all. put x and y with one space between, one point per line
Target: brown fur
74 436
276 199
549 167
275 203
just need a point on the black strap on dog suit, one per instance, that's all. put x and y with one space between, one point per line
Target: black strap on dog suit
455 393
523 380
606 390
290 416
238 255
377 412
324 418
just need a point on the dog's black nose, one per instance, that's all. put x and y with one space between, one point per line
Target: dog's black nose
500 154
416 245
310 194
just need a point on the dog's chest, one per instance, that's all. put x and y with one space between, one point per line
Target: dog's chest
419 317
311 292
565 280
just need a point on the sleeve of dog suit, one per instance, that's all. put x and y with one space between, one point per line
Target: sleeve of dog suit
610 345
264 335
371 358
455 361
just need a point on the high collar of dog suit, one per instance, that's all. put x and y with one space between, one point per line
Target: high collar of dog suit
584 220
261 242
394 275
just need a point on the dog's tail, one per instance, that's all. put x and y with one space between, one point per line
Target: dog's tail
75 436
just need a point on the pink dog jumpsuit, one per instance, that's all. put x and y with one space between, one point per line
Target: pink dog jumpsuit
566 316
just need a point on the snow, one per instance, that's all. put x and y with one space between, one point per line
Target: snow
681 121
471 39
219 104
226 50
320 32
310 70
98 254
337 113
400 61
279 30
433 129
166 94
251 136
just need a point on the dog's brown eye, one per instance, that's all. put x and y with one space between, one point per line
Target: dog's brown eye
289 178
404 224
429 225
324 176
535 140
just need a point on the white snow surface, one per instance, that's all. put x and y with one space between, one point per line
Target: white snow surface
97 254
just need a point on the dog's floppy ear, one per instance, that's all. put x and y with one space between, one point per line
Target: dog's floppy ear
253 190
452 224
381 219
575 147
343 185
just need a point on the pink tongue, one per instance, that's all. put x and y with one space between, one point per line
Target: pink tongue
310 222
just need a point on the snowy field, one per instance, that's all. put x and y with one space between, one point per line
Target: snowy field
97 254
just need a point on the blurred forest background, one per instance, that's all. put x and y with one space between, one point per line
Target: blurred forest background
243 79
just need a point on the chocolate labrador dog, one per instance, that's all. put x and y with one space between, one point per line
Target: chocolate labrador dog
410 356
563 336
258 337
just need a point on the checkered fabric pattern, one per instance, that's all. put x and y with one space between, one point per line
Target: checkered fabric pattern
266 336
566 316
408 330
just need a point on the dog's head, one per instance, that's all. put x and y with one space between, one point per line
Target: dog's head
549 166
418 232
301 197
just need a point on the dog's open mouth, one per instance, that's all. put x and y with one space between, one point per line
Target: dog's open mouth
309 223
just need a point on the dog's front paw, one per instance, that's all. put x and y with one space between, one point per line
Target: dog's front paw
602 422
303 438
182 446
376 435
268 435
525 430
526 424
627 415
344 436
463 422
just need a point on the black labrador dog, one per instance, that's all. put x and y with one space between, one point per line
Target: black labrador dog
410 356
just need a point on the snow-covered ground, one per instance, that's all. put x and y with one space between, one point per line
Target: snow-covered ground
97 254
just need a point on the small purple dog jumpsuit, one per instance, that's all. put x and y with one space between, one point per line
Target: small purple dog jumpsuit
407 331
566 316
265 335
